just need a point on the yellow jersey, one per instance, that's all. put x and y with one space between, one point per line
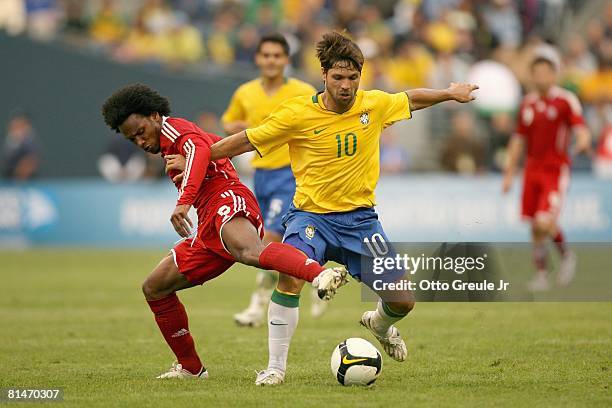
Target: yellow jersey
251 104
335 157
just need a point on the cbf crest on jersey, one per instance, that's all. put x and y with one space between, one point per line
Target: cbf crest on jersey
310 231
364 118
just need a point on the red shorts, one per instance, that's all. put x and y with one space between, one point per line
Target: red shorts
205 257
544 192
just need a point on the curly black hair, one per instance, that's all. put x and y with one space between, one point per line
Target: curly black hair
136 98
336 48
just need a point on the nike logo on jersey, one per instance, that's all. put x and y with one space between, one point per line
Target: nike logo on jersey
273 323
317 131
348 361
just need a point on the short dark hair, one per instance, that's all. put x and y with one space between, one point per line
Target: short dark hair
334 48
543 60
276 38
136 98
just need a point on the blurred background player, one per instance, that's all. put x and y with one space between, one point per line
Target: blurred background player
334 144
21 149
273 179
229 229
547 117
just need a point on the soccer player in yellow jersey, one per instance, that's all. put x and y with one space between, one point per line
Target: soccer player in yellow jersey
333 140
274 182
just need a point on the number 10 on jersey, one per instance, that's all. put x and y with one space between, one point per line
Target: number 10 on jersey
350 144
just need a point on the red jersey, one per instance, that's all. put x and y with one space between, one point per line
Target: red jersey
202 178
545 123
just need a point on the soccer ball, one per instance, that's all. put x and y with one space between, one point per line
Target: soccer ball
356 361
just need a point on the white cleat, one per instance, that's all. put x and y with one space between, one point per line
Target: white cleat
392 343
177 371
567 269
328 282
539 283
270 376
317 306
253 316
247 318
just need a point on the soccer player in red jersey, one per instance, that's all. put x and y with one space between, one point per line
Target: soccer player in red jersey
229 229
546 119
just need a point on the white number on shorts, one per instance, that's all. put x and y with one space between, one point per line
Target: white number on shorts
224 212
377 245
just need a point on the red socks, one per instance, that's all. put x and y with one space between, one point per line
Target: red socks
290 261
559 240
171 318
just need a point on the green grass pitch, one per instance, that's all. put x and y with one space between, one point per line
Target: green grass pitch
77 319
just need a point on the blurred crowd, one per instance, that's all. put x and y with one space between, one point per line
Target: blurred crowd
407 44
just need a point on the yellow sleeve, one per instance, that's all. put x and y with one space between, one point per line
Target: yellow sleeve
274 131
396 107
235 110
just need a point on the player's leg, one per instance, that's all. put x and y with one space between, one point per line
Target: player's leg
552 186
540 230
242 240
159 290
556 190
532 200
283 312
567 266
283 316
391 308
265 281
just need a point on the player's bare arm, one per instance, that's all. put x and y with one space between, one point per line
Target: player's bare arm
583 141
231 146
236 126
424 98
515 149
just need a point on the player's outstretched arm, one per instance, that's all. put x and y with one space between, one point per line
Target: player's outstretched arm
424 98
231 146
515 149
235 126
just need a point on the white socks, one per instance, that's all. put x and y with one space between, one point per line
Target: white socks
383 318
283 316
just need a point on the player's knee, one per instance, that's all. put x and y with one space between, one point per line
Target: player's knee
152 291
147 289
542 226
248 255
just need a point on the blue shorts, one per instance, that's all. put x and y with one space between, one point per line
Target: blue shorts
274 190
350 238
